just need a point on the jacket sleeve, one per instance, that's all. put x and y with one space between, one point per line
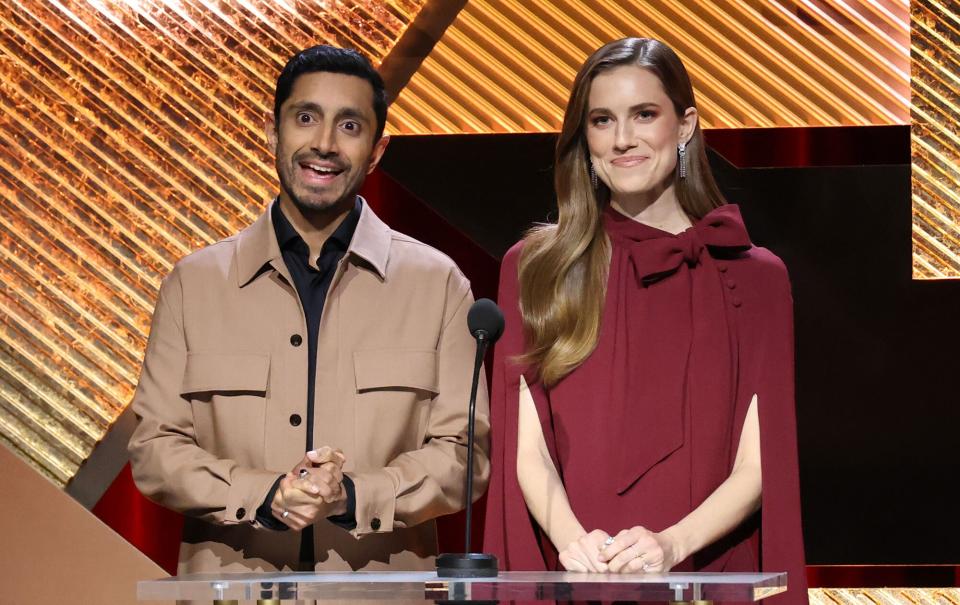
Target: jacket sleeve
429 482
169 467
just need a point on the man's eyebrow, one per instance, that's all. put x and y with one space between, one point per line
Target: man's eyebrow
352 112
307 106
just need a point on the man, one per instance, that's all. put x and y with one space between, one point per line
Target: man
303 399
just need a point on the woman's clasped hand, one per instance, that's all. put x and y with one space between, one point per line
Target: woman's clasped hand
634 550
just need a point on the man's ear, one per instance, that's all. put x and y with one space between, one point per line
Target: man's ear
270 129
378 148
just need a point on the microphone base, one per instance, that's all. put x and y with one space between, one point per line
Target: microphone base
467 565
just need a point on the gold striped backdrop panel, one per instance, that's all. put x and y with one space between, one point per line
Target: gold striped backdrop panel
130 135
884 596
505 66
935 138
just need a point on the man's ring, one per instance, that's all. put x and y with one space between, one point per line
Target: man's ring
285 514
608 541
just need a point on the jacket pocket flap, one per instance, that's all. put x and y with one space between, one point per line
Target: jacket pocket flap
226 372
396 368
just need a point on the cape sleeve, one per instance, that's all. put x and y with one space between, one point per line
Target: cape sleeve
772 373
509 531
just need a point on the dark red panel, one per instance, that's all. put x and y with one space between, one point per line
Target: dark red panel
148 526
822 146
880 576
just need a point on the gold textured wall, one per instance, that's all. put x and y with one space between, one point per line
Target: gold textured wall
505 66
884 596
130 134
935 138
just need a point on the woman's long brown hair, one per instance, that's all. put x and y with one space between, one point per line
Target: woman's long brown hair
563 267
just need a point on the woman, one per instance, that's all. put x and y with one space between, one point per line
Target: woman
647 368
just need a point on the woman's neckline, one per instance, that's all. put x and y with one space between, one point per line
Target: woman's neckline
620 216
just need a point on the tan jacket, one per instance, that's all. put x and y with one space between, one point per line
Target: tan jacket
222 378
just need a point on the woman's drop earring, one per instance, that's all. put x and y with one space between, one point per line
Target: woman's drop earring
682 159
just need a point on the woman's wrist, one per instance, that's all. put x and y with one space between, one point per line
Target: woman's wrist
567 536
679 543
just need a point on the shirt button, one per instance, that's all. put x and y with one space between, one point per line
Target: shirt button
296 340
375 523
722 268
241 513
295 419
731 284
736 302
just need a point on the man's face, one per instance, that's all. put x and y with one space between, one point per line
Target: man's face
324 143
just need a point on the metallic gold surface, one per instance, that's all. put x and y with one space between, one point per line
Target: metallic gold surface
506 66
935 138
884 596
130 135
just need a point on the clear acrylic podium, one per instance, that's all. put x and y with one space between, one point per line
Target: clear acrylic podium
698 588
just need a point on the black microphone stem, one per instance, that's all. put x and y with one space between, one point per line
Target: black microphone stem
481 351
485 324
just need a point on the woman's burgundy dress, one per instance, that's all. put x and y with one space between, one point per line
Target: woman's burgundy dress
647 427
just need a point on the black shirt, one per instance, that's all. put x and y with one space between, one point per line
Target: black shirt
312 284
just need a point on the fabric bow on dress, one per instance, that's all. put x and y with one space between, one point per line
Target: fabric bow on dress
673 305
721 232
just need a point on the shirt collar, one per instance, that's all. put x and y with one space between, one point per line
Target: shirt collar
257 245
287 235
282 228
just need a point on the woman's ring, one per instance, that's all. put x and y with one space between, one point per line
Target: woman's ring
285 514
608 541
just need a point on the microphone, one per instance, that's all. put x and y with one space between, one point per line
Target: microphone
485 322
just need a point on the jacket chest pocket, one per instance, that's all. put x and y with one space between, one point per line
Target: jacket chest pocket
394 390
228 394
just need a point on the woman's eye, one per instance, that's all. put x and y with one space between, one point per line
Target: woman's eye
646 115
601 121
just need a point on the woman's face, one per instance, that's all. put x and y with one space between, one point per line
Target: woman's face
633 131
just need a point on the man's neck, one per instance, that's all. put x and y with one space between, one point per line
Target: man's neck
316 226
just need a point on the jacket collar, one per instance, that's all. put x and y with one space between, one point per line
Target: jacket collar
257 245
371 240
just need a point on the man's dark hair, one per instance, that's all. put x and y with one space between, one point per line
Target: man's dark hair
334 60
